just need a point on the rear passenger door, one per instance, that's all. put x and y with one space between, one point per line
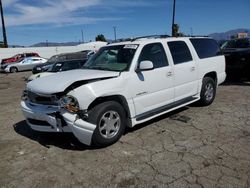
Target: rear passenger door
185 71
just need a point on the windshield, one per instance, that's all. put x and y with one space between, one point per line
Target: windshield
112 58
238 43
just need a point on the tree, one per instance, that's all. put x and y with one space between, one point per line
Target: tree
100 38
176 32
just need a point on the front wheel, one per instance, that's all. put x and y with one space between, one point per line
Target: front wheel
13 69
110 120
208 91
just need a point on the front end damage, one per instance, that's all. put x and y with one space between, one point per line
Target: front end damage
51 118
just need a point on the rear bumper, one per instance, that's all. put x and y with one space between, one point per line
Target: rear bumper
45 119
221 77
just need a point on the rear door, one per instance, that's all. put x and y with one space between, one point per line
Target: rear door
185 71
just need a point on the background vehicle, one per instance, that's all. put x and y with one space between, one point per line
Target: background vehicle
25 64
237 53
84 55
60 67
19 57
125 84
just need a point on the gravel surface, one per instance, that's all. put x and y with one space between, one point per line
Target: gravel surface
191 147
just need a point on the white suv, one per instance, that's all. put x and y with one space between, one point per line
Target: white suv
125 84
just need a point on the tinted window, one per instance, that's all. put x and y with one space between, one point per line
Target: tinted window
206 48
71 65
180 52
155 53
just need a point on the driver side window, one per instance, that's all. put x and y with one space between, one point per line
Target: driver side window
154 53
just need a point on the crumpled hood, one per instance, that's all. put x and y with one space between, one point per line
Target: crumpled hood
59 82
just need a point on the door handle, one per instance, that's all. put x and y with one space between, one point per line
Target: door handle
192 68
170 73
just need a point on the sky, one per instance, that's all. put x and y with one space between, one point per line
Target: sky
32 21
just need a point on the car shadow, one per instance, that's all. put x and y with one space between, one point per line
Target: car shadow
157 119
60 140
237 81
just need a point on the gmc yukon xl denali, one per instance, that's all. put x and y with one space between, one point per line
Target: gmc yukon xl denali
125 84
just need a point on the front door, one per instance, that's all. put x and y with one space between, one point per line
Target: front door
152 89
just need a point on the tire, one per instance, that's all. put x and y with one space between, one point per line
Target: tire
208 91
110 120
13 69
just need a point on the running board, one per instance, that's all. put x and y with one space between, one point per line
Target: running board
167 107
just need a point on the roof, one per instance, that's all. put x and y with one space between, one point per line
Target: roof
154 38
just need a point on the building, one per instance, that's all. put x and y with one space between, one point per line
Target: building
242 35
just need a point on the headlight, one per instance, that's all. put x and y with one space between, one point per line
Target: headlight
69 103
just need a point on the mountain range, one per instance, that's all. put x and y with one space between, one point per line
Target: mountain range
227 35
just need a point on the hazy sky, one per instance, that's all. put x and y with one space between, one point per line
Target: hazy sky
32 21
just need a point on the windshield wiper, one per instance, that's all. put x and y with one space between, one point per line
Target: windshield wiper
99 68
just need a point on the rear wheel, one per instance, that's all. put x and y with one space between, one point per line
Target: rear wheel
208 91
13 69
110 120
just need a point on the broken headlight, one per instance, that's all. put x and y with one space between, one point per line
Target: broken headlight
69 103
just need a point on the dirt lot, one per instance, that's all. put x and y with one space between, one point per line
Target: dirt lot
191 147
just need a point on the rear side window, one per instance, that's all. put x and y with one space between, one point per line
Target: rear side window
180 52
206 48
154 53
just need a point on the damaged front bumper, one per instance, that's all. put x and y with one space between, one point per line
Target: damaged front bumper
45 118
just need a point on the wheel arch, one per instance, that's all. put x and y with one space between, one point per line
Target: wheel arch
14 68
117 98
212 75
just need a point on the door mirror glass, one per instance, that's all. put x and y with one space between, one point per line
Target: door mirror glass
145 66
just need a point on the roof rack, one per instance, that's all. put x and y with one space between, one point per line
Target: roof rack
198 36
150 37
137 38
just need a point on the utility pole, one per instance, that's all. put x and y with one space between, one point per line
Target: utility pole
3 26
191 31
173 21
115 32
82 36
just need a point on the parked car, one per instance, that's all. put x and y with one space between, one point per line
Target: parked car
60 67
25 64
62 57
125 84
19 57
237 53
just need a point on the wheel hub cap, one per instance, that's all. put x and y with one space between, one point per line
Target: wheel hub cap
109 124
209 93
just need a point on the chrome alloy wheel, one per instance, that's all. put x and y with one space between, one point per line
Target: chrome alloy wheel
209 92
109 124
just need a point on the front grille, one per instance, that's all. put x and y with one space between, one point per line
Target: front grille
40 99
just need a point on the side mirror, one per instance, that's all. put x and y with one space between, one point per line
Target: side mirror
145 66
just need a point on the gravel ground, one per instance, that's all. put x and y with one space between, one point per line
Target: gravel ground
191 147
